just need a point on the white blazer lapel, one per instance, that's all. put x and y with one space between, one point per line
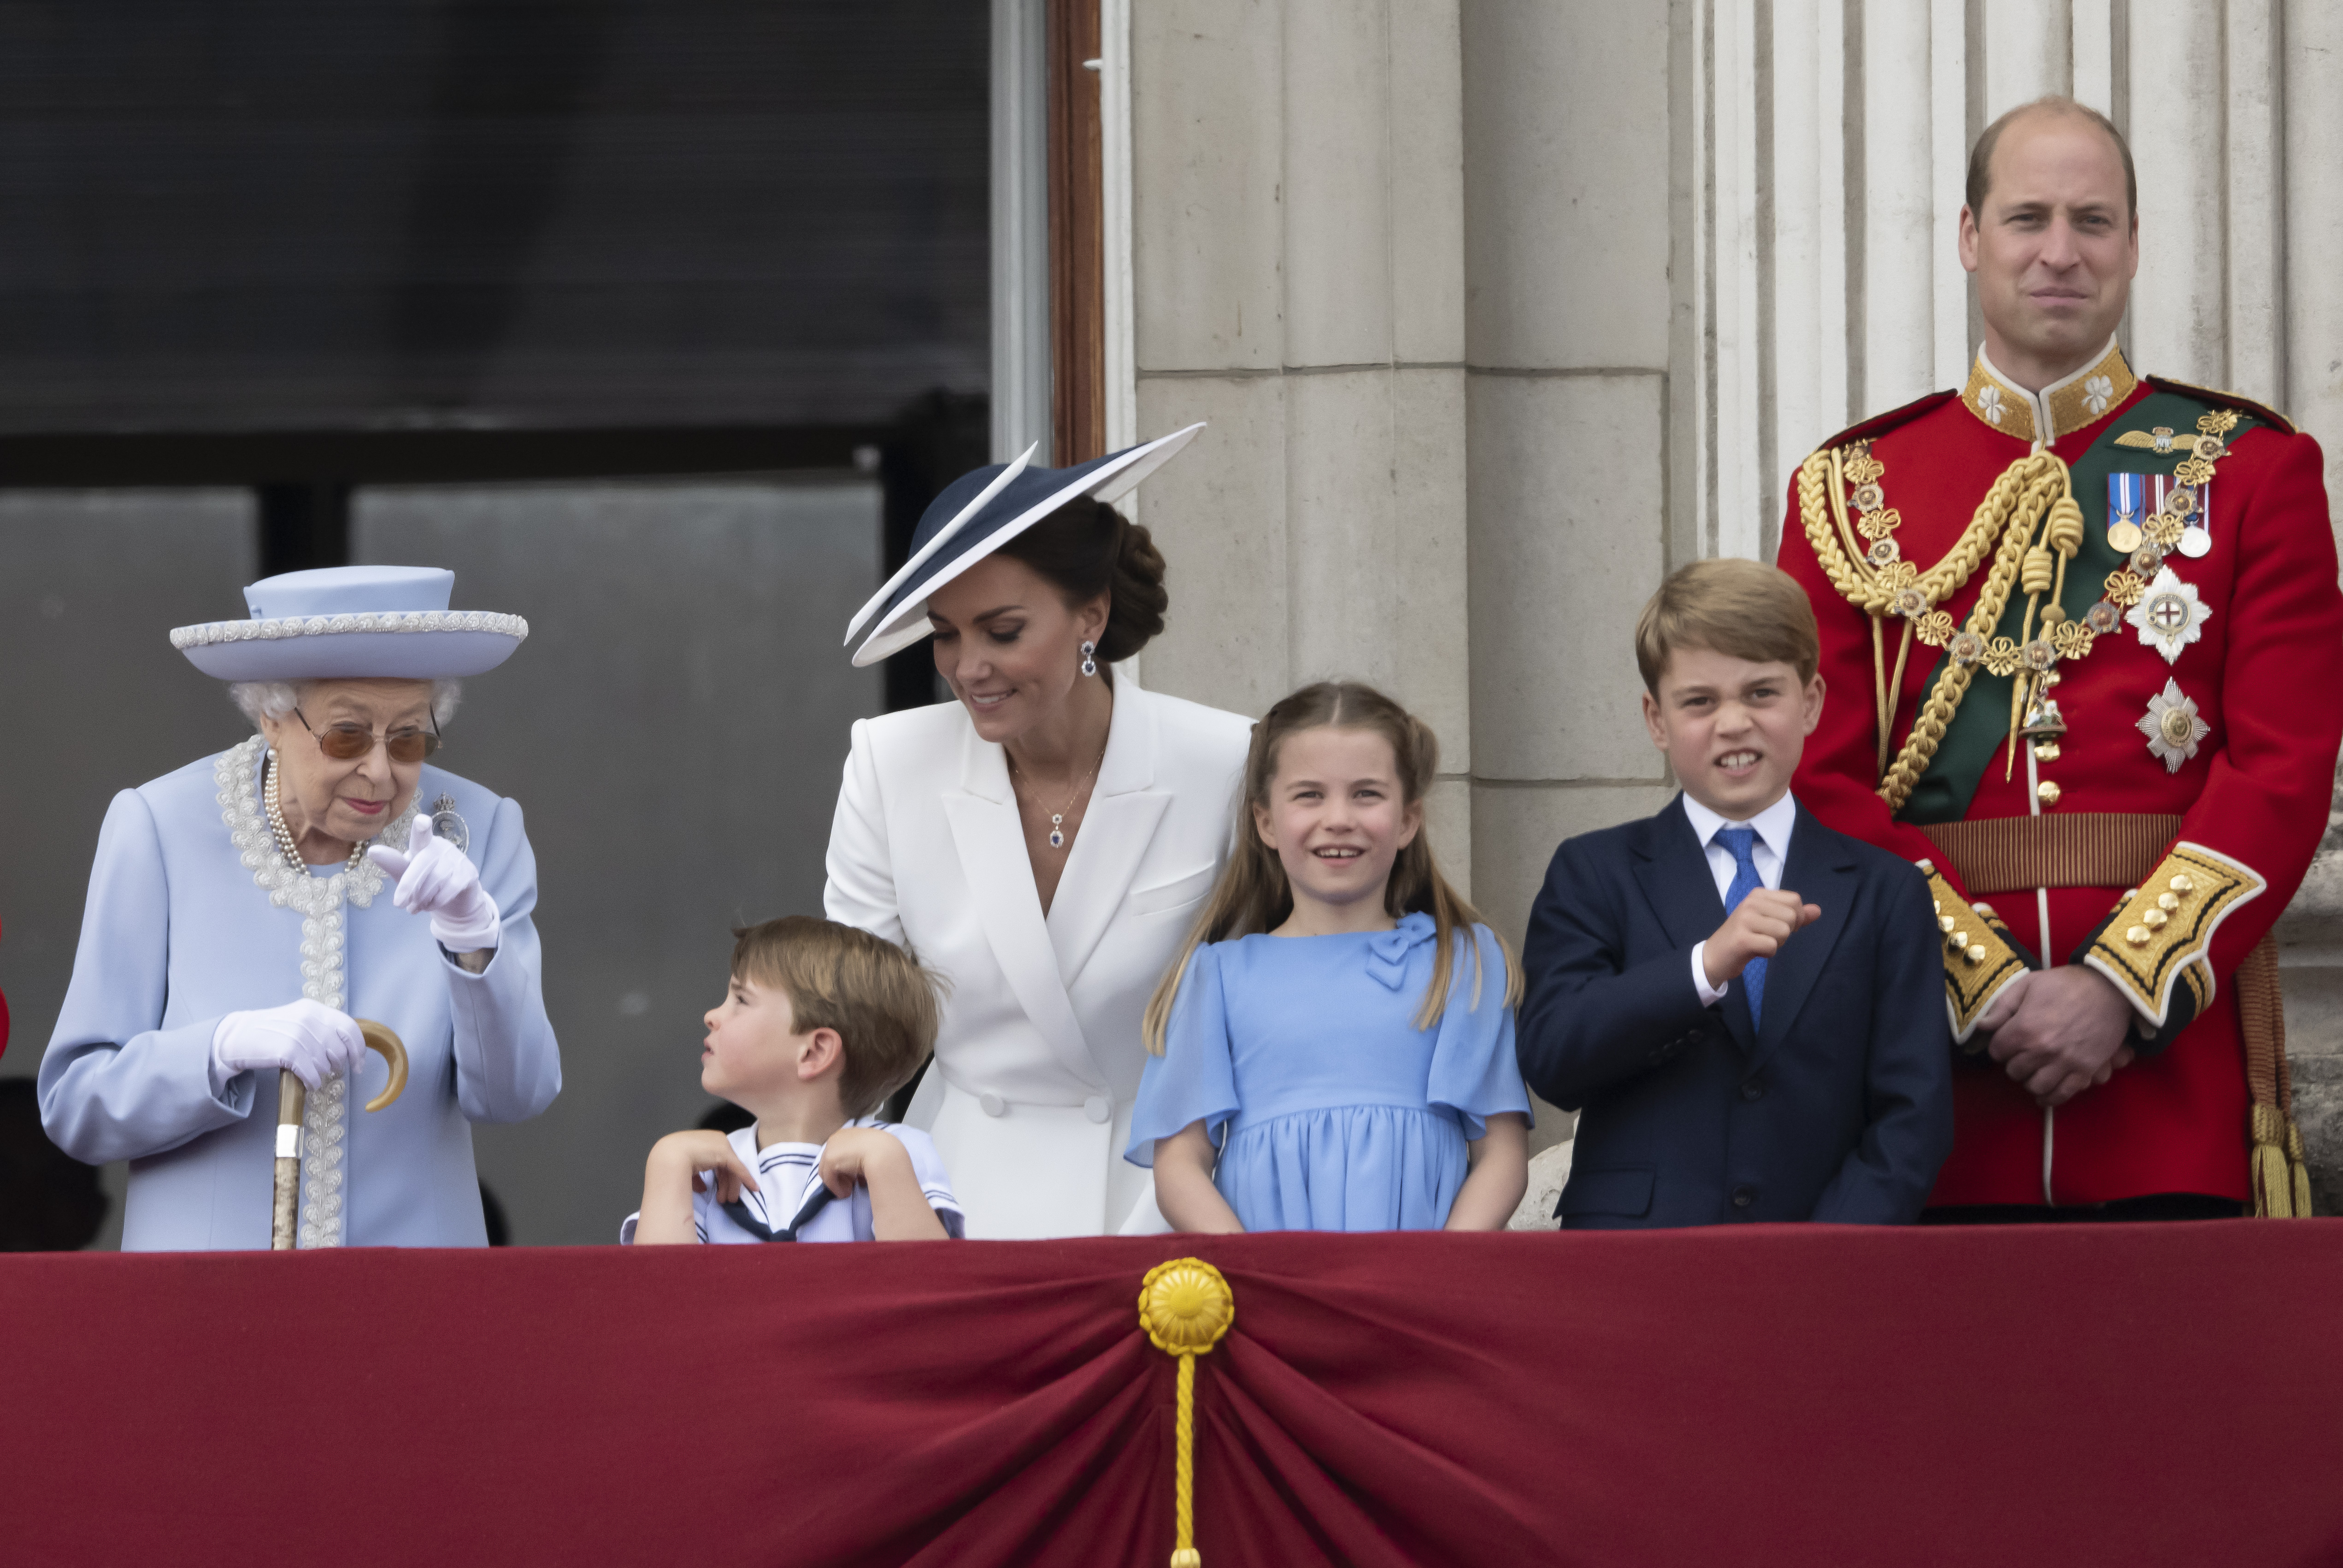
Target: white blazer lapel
991 844
1116 831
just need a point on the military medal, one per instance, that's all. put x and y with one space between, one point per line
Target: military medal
2193 505
448 824
2172 725
2169 615
2125 496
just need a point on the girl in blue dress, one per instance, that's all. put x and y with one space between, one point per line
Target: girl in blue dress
1334 1049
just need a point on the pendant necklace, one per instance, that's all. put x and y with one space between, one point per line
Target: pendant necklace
285 844
1058 817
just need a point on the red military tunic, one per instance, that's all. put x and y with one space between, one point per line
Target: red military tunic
2247 764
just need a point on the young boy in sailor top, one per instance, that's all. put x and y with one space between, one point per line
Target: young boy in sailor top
821 1022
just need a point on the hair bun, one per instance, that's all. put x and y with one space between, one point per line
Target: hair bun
1087 549
1138 599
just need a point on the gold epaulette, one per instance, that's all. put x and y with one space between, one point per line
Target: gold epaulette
1980 955
2224 399
2161 933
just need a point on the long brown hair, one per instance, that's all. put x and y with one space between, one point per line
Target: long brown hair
1253 895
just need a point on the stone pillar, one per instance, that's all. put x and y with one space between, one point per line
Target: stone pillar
1901 258
2312 223
1567 338
2177 327
2310 122
1298 277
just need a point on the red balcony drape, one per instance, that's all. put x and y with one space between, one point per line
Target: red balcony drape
2136 1394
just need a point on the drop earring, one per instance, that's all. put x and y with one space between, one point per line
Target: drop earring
1089 660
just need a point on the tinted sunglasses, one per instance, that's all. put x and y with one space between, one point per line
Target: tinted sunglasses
346 742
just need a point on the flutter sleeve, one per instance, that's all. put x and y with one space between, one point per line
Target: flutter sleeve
1474 1072
1195 1078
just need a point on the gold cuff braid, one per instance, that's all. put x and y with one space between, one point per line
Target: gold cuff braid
1979 957
2163 929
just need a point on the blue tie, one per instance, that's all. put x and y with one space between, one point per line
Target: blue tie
1743 843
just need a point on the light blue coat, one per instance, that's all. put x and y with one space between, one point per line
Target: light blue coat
177 934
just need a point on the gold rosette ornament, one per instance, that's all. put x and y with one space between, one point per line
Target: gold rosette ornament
1185 1306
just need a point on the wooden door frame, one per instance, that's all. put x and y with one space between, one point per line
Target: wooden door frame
1078 330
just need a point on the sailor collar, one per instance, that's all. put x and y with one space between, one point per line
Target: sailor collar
2061 408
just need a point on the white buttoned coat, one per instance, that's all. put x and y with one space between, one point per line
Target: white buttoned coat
1038 1060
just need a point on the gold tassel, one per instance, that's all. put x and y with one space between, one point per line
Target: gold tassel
2301 1170
2272 1179
1185 1306
2275 1171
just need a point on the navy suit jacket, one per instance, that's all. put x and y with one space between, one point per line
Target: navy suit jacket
1840 1108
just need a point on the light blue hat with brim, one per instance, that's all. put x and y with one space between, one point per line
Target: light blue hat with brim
353 623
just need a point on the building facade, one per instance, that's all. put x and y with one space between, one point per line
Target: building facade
1500 309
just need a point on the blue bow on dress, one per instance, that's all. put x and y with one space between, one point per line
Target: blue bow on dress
1387 951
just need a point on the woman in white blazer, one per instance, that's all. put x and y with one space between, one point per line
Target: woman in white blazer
1044 841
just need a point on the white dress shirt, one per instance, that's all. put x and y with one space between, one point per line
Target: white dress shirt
1771 852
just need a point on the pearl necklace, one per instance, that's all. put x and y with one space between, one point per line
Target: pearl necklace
285 844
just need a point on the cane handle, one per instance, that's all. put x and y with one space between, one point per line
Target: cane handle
385 1044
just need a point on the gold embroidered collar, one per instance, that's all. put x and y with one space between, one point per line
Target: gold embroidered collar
2063 408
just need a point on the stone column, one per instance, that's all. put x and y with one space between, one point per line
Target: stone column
2310 310
2177 325
1567 337
1299 282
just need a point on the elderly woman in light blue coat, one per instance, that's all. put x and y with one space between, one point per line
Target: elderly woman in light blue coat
244 910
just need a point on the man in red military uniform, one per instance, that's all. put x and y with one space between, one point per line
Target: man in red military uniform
2095 618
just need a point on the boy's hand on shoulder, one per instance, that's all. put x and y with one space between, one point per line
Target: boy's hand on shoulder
851 1154
702 1149
1756 928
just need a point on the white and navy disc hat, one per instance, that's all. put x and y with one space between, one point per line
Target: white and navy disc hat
977 514
352 623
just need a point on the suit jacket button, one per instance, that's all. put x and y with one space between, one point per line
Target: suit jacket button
991 1104
1098 1108
1744 1196
1752 1091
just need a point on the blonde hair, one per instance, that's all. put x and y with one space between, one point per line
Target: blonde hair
1253 894
1741 608
873 993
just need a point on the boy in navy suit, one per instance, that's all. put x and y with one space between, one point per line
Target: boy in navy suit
1744 1006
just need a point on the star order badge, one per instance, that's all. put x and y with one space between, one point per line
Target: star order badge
2169 615
2172 727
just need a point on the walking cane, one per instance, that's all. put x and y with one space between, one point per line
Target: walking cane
291 1098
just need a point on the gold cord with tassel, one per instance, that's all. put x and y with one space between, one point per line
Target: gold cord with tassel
1185 1306
2004 523
2279 1176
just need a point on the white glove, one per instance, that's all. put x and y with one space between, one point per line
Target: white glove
436 879
308 1037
